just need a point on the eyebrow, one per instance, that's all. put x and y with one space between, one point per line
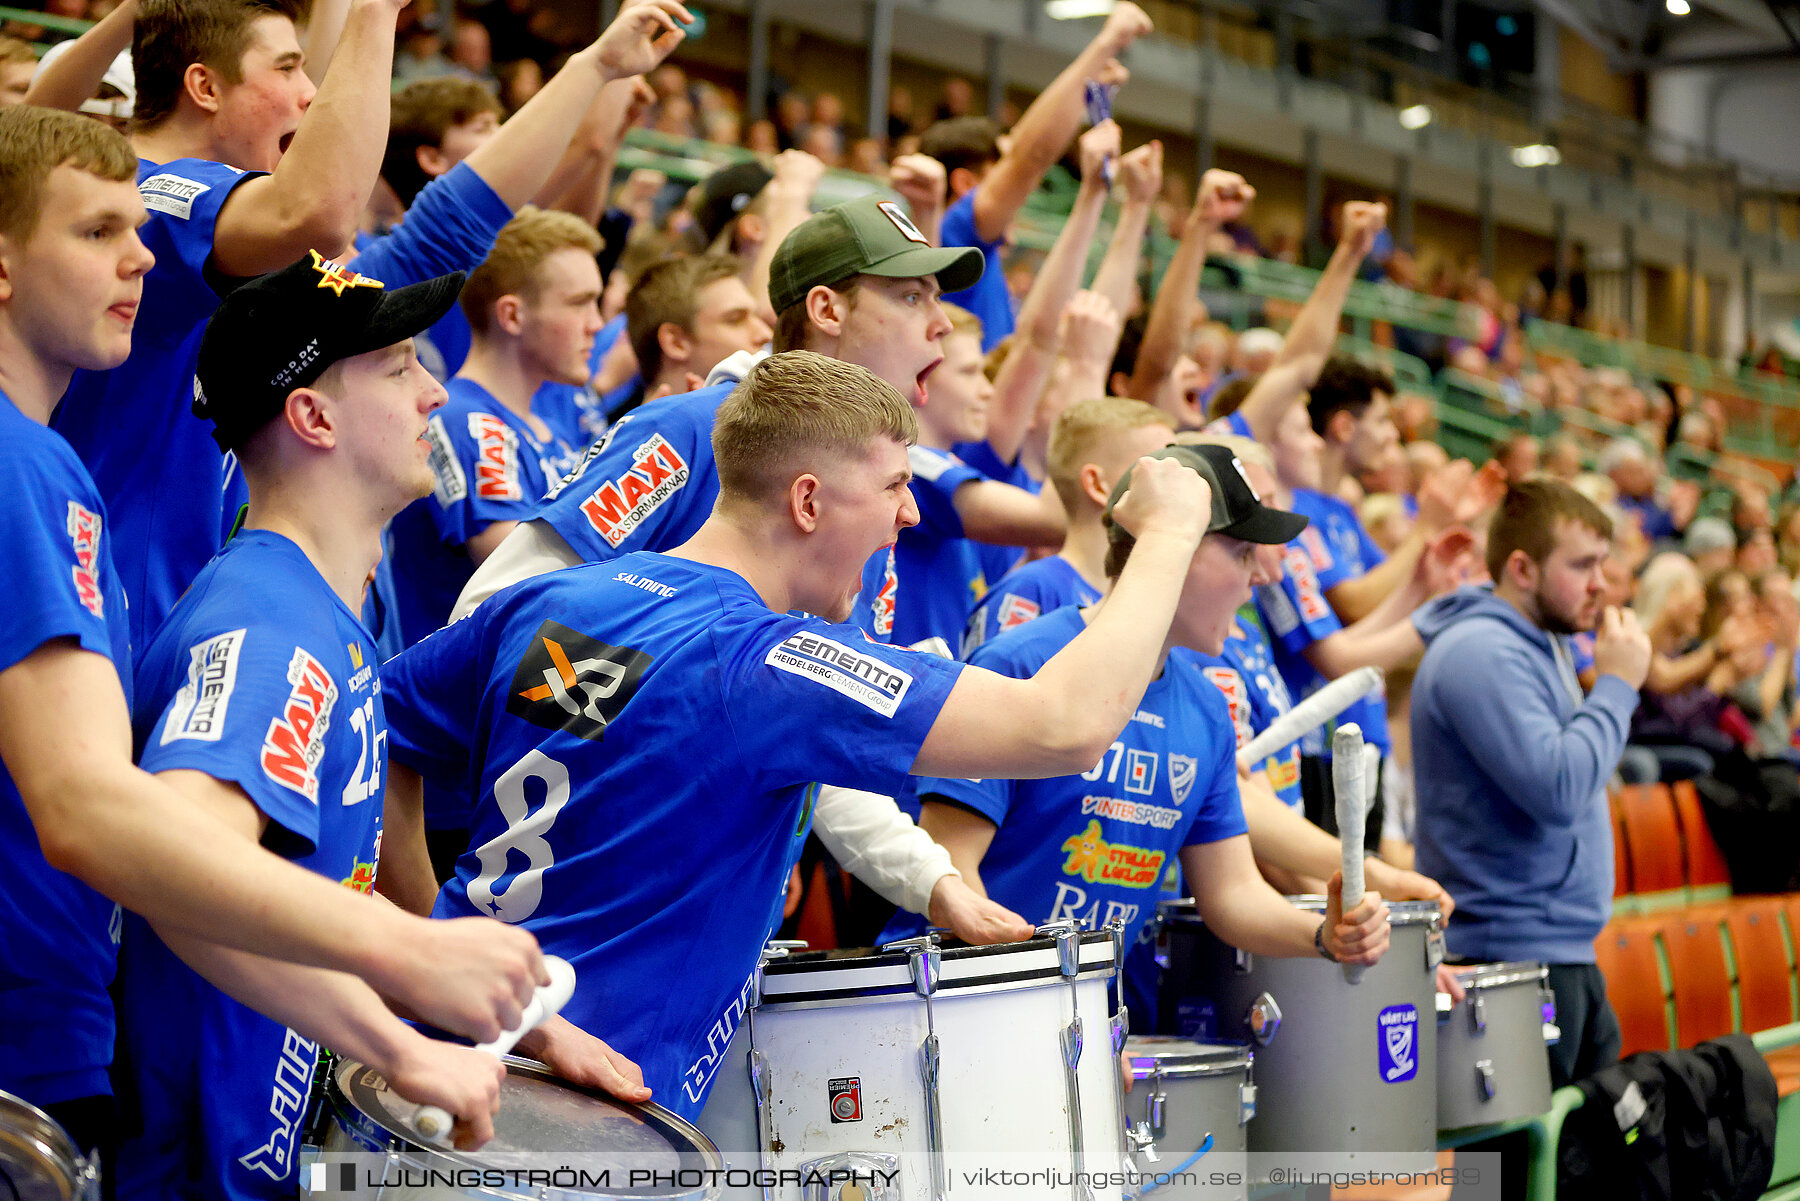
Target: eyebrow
291 57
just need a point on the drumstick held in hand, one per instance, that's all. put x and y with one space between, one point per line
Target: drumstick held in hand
432 1123
1349 780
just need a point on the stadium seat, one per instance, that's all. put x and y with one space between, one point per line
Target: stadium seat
1653 846
1699 981
1623 901
1765 976
1626 952
1708 877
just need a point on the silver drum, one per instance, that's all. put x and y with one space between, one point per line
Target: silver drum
1184 1093
1348 1069
1491 1064
544 1123
38 1159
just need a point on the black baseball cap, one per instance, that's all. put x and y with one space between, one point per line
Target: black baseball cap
1237 511
280 331
726 193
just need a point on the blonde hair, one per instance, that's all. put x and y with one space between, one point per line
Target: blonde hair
794 406
34 142
510 268
962 321
1247 449
1081 429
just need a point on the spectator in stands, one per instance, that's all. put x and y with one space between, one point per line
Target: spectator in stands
420 52
1711 545
472 50
762 138
899 112
1517 455
792 113
520 80
989 186
687 315
1562 458
1512 762
1627 464
17 65
435 124
958 100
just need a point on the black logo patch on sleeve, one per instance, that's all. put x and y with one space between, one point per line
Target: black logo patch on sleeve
568 681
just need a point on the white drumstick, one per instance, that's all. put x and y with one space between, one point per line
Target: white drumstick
1349 780
1310 714
433 1123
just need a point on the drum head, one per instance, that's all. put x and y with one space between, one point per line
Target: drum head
583 1129
38 1160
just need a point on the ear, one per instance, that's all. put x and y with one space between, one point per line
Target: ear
6 284
674 341
1522 571
432 161
752 230
506 315
202 87
826 310
1117 383
961 180
1340 427
803 503
1094 485
309 415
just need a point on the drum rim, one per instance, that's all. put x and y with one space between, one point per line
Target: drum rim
655 1115
44 1135
1172 1051
1400 913
1502 974
961 974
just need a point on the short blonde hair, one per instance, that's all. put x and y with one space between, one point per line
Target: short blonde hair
794 406
34 142
962 321
510 268
1247 449
1081 428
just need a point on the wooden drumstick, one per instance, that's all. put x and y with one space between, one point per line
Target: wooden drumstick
431 1122
1349 780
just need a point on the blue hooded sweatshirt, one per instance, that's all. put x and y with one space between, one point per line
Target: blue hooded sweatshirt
1511 767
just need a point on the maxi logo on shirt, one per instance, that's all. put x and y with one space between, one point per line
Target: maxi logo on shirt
1099 862
496 458
619 506
84 533
296 740
568 681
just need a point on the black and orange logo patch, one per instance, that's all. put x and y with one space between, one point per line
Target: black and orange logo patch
568 681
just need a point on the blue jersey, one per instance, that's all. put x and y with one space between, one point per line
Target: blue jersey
1100 846
987 298
1296 614
261 678
489 467
998 560
941 573
1255 696
59 947
158 469
1024 593
1334 538
1233 422
642 739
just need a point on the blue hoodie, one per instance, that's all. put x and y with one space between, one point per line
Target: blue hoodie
1511 768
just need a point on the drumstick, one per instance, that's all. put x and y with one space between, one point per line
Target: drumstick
1310 714
1349 780
433 1123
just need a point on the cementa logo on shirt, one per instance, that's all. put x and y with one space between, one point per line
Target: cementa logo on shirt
568 681
1100 862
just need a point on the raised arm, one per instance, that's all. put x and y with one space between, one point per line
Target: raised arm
921 182
789 202
324 27
578 184
75 75
1454 495
1222 197
1061 720
65 737
1027 368
1140 183
1084 354
1046 127
1315 326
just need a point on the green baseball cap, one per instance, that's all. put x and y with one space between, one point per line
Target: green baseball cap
865 236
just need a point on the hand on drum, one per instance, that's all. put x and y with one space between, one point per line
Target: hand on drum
972 917
1398 884
472 976
1449 982
458 1079
580 1058
1359 936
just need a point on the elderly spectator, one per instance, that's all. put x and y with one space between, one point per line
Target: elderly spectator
1710 544
1628 465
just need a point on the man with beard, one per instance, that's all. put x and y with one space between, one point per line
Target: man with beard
1512 762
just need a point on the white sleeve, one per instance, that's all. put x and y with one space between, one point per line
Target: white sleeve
875 842
532 549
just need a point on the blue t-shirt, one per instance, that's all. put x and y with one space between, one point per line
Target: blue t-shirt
156 465
489 467
941 573
1233 422
1296 614
1100 845
1255 696
261 678
988 298
998 560
59 948
1335 539
642 739
1024 593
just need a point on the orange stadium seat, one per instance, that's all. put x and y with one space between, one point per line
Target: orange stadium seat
1621 860
1626 952
1764 975
1698 977
1653 845
1708 876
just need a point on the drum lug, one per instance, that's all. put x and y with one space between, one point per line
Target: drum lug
1246 1103
1552 1032
1484 1078
1434 945
757 1065
1143 1140
1158 1100
934 1117
881 1170
1263 1019
1243 961
1477 1012
1081 1190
